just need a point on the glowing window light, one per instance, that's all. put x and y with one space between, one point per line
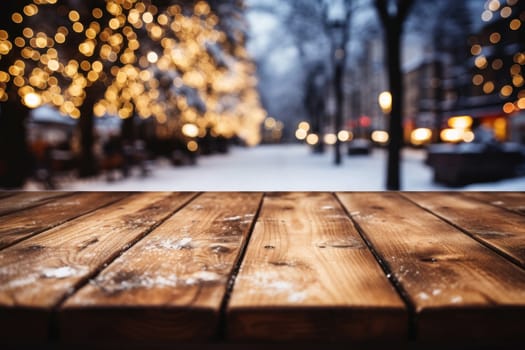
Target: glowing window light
380 136
420 136
460 122
451 135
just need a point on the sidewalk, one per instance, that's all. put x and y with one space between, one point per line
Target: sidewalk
284 168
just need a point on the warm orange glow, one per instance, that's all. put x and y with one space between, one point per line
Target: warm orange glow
515 24
344 135
380 136
481 62
506 90
301 134
330 139
508 107
475 49
385 101
312 139
521 103
460 122
451 135
477 79
32 100
488 87
420 136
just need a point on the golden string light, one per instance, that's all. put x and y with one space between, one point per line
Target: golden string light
146 78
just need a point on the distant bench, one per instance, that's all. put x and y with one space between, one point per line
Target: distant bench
234 268
463 164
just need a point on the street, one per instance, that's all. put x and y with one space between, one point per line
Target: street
280 168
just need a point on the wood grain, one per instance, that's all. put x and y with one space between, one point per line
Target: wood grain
38 273
514 201
22 224
459 288
496 227
23 200
171 284
308 275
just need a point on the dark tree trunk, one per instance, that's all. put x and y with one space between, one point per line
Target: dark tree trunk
127 129
87 165
15 165
14 154
395 80
393 28
338 82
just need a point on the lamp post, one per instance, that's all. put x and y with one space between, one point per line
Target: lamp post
337 19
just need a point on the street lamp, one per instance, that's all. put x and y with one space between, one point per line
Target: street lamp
337 18
385 101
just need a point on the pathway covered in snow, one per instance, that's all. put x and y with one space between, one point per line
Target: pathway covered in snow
284 168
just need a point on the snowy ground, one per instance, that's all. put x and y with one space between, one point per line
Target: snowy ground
283 168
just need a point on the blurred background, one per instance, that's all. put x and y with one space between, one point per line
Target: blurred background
262 95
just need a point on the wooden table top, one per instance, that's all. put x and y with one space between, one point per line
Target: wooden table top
163 267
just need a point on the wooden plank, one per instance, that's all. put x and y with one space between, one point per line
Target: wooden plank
308 275
514 201
24 200
170 285
459 289
4 194
498 228
38 273
22 224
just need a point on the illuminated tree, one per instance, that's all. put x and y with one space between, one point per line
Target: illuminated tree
499 55
127 57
